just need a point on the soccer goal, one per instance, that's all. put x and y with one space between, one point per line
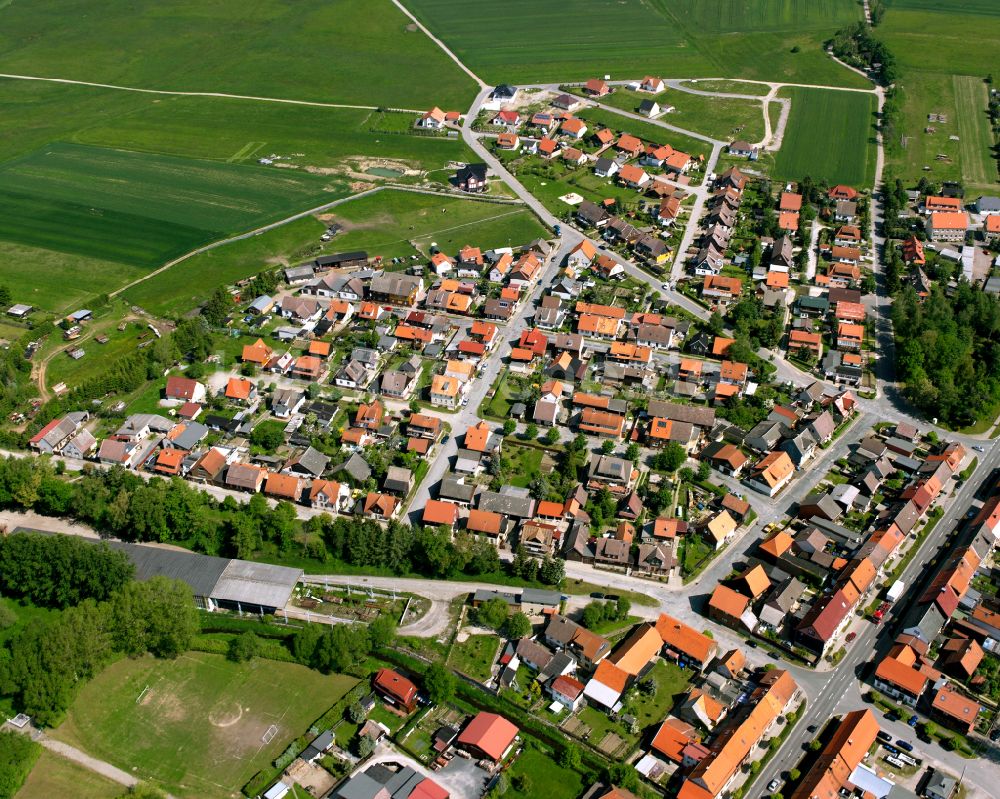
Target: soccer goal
271 732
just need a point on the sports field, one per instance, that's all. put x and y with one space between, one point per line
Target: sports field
54 776
346 51
528 41
141 209
829 137
198 729
723 118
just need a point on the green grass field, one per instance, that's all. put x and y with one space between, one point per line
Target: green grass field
944 50
185 285
64 369
723 118
382 223
387 222
647 131
545 778
54 776
527 41
57 281
141 209
197 730
729 86
829 136
978 164
346 51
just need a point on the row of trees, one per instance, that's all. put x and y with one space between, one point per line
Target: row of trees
60 571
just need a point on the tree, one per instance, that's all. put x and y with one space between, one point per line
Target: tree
382 631
570 757
356 713
492 613
632 452
623 775
517 626
608 447
364 746
552 436
593 615
509 426
216 309
622 608
670 458
244 647
440 683
551 571
531 431
268 435
143 791
794 774
704 470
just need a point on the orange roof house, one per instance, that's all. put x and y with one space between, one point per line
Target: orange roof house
788 220
635 653
831 770
239 388
488 735
477 437
257 353
671 738
486 522
721 345
790 201
283 486
439 512
681 640
168 461
776 545
319 348
777 280
629 144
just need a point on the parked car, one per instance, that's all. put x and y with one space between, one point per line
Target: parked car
904 745
883 736
851 637
913 721
994 734
772 786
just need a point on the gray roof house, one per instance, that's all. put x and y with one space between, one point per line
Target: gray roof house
309 463
356 467
398 480
517 506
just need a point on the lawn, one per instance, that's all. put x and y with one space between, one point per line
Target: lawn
647 131
138 208
579 39
402 223
525 463
54 776
187 284
58 281
544 778
723 118
198 728
829 137
943 51
729 86
671 681
474 656
978 164
63 369
346 51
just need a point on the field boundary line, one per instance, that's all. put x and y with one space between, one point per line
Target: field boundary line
220 95
295 217
440 44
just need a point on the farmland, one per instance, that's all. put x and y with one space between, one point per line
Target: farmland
829 137
141 209
197 730
722 118
944 52
580 39
346 51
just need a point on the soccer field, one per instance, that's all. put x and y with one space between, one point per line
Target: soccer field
976 138
530 41
195 724
142 209
829 137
